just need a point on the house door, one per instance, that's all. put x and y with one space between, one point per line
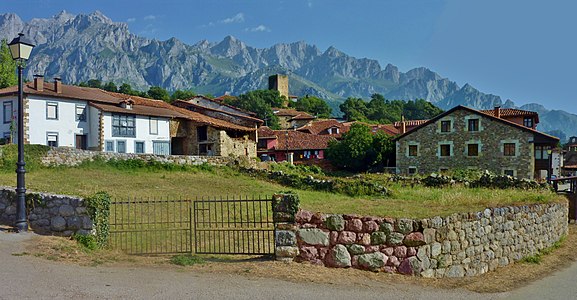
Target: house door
81 142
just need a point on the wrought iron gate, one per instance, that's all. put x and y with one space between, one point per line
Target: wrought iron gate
151 226
234 226
211 226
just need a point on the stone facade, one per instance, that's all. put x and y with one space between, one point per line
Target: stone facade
491 136
463 244
63 156
49 214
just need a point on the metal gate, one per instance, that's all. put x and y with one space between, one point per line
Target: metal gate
171 226
234 226
151 226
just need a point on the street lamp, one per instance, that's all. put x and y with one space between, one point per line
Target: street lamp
20 48
549 154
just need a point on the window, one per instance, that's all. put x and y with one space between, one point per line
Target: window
541 152
262 144
7 111
445 150
413 150
412 170
472 149
153 126
123 125
202 132
52 110
121 146
109 147
528 122
509 149
205 149
80 112
445 126
138 147
52 139
473 125
509 172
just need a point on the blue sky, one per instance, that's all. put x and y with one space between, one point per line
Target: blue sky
522 50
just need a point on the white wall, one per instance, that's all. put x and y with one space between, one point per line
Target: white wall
66 125
142 133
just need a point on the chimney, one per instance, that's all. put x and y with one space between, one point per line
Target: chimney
57 85
39 82
497 111
403 125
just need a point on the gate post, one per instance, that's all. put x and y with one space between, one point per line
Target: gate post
285 207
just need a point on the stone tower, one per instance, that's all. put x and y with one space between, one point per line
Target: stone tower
279 83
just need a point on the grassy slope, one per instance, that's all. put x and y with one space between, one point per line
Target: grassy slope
417 202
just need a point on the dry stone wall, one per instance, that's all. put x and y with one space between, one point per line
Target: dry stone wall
48 213
72 157
465 244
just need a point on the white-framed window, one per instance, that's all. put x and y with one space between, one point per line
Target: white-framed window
7 111
412 170
80 112
153 126
121 146
139 147
510 172
52 110
52 139
163 148
445 150
413 150
109 146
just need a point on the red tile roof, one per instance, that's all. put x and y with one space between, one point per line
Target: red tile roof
512 112
289 112
68 92
321 126
295 140
410 123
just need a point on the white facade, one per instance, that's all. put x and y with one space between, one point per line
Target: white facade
67 122
151 133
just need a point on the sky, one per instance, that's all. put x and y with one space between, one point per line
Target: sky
523 50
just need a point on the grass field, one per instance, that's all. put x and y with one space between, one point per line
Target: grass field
413 202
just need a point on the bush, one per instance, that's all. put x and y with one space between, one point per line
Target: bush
87 241
33 155
186 260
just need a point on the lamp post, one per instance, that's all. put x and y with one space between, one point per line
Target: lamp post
20 49
550 171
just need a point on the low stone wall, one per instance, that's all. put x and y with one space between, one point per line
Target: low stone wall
71 157
465 244
48 213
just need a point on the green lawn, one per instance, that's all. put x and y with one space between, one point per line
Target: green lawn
415 202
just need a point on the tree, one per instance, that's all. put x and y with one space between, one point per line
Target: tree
7 67
94 83
158 93
261 103
125 88
182 95
355 109
110 86
313 105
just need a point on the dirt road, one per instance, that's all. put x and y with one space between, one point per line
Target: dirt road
29 277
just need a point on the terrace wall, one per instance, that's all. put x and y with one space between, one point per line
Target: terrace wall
48 213
465 244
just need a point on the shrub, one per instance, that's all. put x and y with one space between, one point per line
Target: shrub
87 241
186 260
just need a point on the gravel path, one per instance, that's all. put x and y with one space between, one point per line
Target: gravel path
28 277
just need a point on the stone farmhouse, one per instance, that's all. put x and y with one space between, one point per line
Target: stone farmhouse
62 115
291 118
502 141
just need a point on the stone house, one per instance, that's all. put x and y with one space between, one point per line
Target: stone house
292 118
465 138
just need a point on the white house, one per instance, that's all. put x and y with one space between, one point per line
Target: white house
86 118
61 115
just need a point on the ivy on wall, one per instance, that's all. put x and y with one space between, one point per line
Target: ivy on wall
98 207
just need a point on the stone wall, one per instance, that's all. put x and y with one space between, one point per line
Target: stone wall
465 244
490 138
48 213
72 157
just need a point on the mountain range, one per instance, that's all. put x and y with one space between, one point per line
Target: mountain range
80 47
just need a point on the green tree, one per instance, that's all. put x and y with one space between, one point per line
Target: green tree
261 103
354 109
313 105
8 75
110 86
182 94
158 93
94 83
125 88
